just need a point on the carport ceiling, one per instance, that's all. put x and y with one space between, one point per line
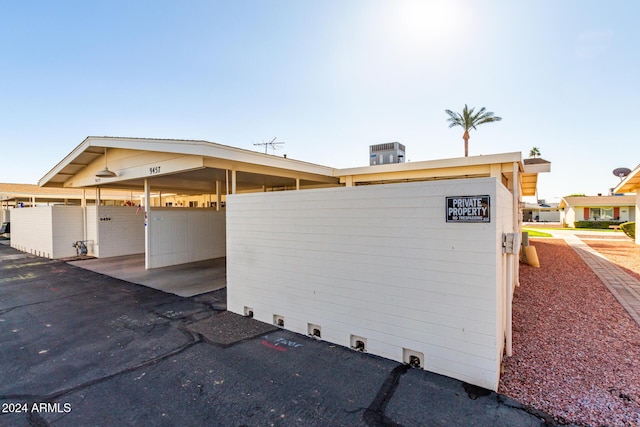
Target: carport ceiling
203 180
188 167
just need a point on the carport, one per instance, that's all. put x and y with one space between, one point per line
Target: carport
185 280
422 271
184 186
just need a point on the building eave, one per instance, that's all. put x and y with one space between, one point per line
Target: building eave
630 183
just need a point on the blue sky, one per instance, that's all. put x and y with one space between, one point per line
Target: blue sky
328 78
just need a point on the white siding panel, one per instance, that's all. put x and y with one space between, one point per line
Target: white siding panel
181 235
92 230
67 228
636 215
379 262
120 230
31 230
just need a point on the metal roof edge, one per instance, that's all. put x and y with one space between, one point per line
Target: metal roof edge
625 185
64 162
509 157
200 147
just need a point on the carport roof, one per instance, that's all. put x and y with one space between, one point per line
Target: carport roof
11 191
207 163
631 183
194 166
459 167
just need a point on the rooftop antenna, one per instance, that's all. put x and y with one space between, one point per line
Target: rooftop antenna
271 144
621 173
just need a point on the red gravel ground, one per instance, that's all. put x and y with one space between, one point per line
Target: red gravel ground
576 350
625 253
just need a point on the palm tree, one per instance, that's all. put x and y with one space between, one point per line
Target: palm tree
468 120
535 152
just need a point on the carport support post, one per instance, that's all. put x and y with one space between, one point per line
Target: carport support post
147 234
218 195
83 203
233 181
297 183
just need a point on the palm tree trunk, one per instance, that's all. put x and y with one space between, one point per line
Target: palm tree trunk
466 143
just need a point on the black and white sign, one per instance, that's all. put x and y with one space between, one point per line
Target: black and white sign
468 209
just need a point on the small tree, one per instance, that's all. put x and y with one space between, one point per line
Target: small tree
535 152
468 120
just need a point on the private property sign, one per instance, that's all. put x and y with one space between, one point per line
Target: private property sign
468 209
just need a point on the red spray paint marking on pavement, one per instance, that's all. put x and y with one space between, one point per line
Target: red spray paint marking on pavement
273 346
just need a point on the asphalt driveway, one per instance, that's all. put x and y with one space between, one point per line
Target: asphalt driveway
79 348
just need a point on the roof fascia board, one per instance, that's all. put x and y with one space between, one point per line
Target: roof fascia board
212 149
455 162
69 158
413 174
219 163
537 167
630 183
606 201
159 167
195 147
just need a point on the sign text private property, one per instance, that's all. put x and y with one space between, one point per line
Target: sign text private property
468 209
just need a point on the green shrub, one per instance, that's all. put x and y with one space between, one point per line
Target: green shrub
595 224
629 229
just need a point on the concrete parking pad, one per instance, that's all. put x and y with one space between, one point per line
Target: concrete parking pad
80 348
185 280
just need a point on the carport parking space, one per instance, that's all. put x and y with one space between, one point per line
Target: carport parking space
185 280
121 354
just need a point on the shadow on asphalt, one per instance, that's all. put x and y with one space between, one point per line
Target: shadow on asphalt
79 348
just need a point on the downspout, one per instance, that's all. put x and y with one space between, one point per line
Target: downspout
512 260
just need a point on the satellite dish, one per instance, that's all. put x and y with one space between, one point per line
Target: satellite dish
621 172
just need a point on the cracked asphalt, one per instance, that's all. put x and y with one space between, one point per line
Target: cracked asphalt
78 348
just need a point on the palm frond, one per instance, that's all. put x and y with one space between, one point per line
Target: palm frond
469 119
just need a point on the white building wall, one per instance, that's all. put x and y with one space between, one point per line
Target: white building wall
549 216
67 228
120 230
504 224
5 215
379 262
568 216
91 223
31 230
47 231
571 214
637 215
181 235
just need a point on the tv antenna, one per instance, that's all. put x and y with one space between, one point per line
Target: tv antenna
271 144
621 172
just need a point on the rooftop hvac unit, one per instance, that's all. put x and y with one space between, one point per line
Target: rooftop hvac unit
390 152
